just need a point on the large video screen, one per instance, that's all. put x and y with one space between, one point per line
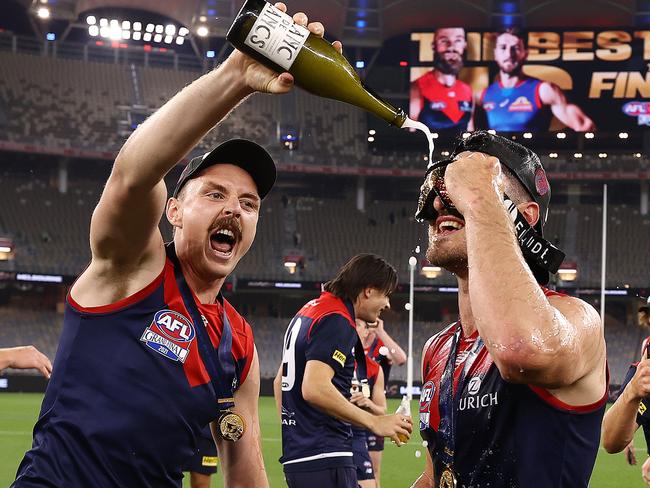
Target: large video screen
531 81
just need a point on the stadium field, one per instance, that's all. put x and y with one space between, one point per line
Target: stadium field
18 412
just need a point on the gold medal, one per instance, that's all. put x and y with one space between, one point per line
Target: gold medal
448 478
231 426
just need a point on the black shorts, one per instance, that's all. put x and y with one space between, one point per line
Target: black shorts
206 459
326 478
364 464
375 442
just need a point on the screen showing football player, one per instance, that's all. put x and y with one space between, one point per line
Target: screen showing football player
523 369
438 98
312 387
516 102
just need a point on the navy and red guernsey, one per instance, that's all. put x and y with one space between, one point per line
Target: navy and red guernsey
506 435
372 369
129 394
516 109
444 107
372 351
323 330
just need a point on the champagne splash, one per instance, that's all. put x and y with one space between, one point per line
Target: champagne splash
414 124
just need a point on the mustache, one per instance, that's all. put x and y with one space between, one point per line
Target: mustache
230 223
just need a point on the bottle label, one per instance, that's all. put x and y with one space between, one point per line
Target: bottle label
276 36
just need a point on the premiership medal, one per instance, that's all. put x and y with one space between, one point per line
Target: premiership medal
448 478
231 426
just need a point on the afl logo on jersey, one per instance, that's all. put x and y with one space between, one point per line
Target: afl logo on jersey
170 334
428 389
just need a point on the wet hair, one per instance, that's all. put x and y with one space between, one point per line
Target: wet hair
515 189
360 272
514 31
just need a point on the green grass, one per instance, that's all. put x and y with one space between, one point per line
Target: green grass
18 412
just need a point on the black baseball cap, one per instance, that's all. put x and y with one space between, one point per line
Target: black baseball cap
249 156
520 160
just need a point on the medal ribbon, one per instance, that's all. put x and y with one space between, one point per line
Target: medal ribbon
221 367
448 402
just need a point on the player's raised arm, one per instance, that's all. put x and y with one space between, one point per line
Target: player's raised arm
568 113
242 462
544 341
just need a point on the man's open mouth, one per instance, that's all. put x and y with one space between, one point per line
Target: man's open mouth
223 241
448 225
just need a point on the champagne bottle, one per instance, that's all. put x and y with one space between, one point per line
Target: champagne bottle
270 36
405 410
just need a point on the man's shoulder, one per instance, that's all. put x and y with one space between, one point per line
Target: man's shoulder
438 339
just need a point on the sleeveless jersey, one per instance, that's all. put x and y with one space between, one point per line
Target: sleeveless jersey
444 107
506 435
129 394
516 109
323 330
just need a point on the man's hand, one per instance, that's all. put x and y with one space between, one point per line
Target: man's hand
645 471
640 383
25 357
263 79
361 401
472 179
392 425
630 455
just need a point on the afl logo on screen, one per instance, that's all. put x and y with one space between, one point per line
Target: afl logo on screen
174 325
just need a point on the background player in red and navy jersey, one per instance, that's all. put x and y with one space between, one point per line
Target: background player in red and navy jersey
630 411
375 404
383 349
438 98
516 102
312 387
520 381
129 392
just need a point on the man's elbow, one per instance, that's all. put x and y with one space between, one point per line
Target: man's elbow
311 393
611 444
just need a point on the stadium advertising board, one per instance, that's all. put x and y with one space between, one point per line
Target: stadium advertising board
531 81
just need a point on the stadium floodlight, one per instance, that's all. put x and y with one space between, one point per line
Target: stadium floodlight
371 139
43 13
103 22
589 135
203 18
372 132
157 38
91 20
146 37
93 30
183 31
445 153
577 155
180 40
137 26
114 23
170 29
5 249
430 271
115 33
552 155
567 274
126 25
202 31
159 29
126 34
210 54
150 27
169 39
50 36
623 135
137 35
602 155
637 155
528 135
561 135
105 32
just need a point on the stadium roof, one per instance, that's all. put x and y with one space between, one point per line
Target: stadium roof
372 21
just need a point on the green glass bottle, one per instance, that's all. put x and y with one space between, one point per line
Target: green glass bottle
271 37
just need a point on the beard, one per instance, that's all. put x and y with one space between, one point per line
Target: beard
448 66
448 255
514 68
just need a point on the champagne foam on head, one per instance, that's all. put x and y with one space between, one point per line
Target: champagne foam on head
414 124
